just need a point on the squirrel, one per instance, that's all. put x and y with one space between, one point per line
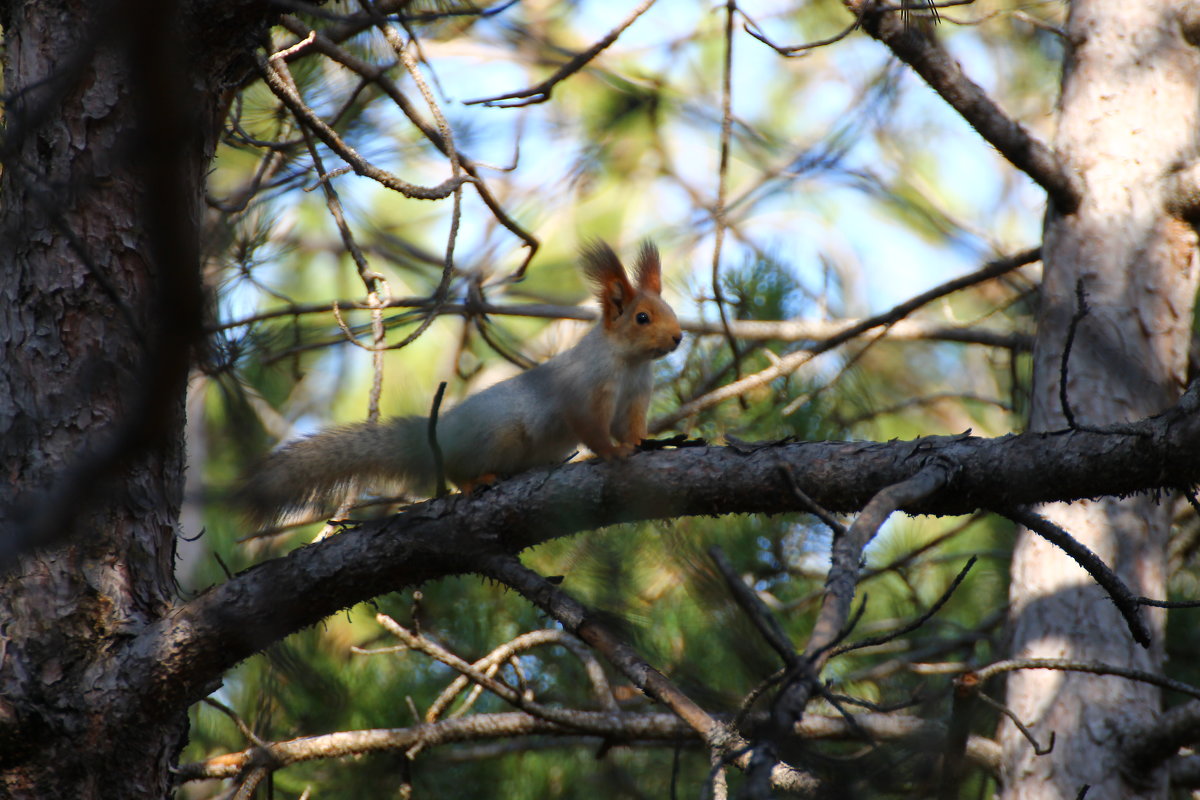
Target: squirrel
596 393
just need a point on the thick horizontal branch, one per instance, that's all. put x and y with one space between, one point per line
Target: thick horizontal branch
177 660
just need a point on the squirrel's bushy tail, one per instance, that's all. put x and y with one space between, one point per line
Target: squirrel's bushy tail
310 475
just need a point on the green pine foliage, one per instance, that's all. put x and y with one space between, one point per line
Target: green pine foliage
840 192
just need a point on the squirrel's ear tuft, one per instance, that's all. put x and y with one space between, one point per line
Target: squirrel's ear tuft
649 268
611 285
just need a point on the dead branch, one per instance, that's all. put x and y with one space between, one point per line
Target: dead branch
502 690
541 92
1091 667
478 727
578 620
1124 599
527 641
589 726
277 77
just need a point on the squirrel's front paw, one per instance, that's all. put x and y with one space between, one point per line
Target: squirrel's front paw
624 450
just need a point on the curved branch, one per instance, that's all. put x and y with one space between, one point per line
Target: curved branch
178 659
527 641
326 44
1091 667
1126 602
274 73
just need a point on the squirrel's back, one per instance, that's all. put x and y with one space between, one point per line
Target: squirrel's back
595 393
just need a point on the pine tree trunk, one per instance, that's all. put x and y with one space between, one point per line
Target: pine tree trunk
109 130
1128 121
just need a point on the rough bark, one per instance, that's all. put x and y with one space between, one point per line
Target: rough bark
179 657
109 128
1130 93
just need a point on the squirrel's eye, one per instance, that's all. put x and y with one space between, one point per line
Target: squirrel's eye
643 318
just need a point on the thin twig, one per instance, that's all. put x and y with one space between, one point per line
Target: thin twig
768 627
1081 311
874 641
751 27
793 361
439 464
456 171
578 620
327 46
1146 601
526 641
1124 600
1020 726
718 212
274 73
541 92
1090 667
242 727
499 688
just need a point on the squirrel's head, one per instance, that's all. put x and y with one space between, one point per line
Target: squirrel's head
635 318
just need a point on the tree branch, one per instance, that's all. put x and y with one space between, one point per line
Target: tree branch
274 74
793 361
786 330
623 726
541 92
326 43
180 658
1161 737
717 735
1124 600
930 60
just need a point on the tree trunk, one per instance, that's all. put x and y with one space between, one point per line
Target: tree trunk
109 131
1128 120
